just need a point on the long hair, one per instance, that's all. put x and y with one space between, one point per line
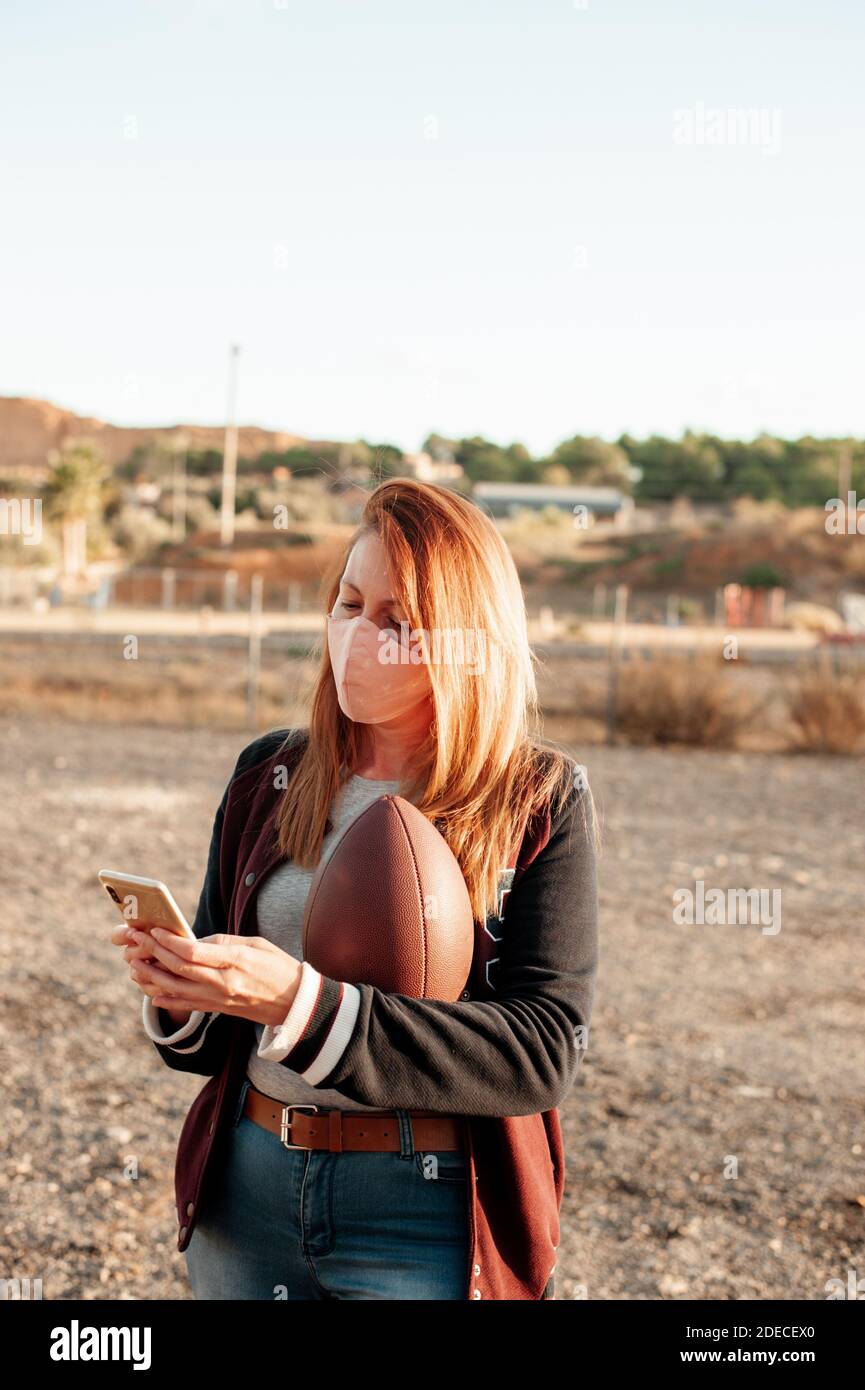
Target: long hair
482 771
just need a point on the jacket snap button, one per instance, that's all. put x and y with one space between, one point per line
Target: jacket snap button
477 1270
190 1211
465 994
249 880
183 1231
476 1293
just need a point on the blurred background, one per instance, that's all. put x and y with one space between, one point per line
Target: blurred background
598 269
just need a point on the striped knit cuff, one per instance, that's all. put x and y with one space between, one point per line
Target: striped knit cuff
317 1028
190 1034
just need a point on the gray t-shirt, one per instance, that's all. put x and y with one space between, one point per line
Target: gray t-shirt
281 904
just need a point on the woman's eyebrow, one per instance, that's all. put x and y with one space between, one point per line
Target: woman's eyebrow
347 582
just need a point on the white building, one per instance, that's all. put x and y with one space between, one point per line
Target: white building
503 499
429 470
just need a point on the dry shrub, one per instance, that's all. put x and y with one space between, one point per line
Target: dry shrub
674 700
827 711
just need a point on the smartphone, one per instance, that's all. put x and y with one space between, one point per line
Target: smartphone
144 902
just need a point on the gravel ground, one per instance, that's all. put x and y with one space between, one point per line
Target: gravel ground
715 1137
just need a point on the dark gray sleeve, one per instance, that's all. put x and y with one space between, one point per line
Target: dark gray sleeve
516 1054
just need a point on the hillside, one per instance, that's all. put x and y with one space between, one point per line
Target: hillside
30 429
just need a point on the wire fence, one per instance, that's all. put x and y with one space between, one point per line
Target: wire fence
151 587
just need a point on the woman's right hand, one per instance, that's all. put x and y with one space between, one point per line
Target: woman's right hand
133 952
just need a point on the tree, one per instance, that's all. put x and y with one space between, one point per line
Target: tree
439 448
73 496
592 461
690 467
556 475
382 460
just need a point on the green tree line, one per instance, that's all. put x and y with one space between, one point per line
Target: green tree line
703 467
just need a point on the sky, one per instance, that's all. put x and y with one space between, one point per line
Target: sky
520 220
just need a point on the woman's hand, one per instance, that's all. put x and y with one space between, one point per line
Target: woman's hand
246 976
122 936
134 953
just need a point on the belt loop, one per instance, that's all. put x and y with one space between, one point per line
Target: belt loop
406 1135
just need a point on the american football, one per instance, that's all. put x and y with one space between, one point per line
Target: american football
389 907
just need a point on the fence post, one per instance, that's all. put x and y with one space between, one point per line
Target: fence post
168 588
599 601
229 590
620 611
253 673
615 656
293 596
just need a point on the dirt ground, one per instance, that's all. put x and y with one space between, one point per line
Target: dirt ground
715 1137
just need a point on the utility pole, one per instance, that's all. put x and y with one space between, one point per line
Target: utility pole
178 496
229 453
844 476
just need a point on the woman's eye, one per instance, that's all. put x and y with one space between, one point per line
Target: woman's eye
391 621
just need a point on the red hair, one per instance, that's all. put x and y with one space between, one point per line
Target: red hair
483 770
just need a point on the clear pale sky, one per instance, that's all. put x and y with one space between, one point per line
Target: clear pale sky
466 216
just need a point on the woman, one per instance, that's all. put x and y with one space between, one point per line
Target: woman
352 1143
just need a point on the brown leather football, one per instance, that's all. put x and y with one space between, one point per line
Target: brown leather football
389 907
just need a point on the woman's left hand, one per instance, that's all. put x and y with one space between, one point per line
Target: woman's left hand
245 976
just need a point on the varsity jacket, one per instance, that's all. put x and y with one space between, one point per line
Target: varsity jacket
503 1057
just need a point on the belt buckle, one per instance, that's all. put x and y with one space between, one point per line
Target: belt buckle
285 1124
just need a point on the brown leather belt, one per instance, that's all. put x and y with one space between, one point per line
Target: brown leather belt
309 1127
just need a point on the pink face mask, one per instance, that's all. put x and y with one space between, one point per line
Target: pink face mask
371 684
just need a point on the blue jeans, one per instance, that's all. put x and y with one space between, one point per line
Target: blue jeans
283 1223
